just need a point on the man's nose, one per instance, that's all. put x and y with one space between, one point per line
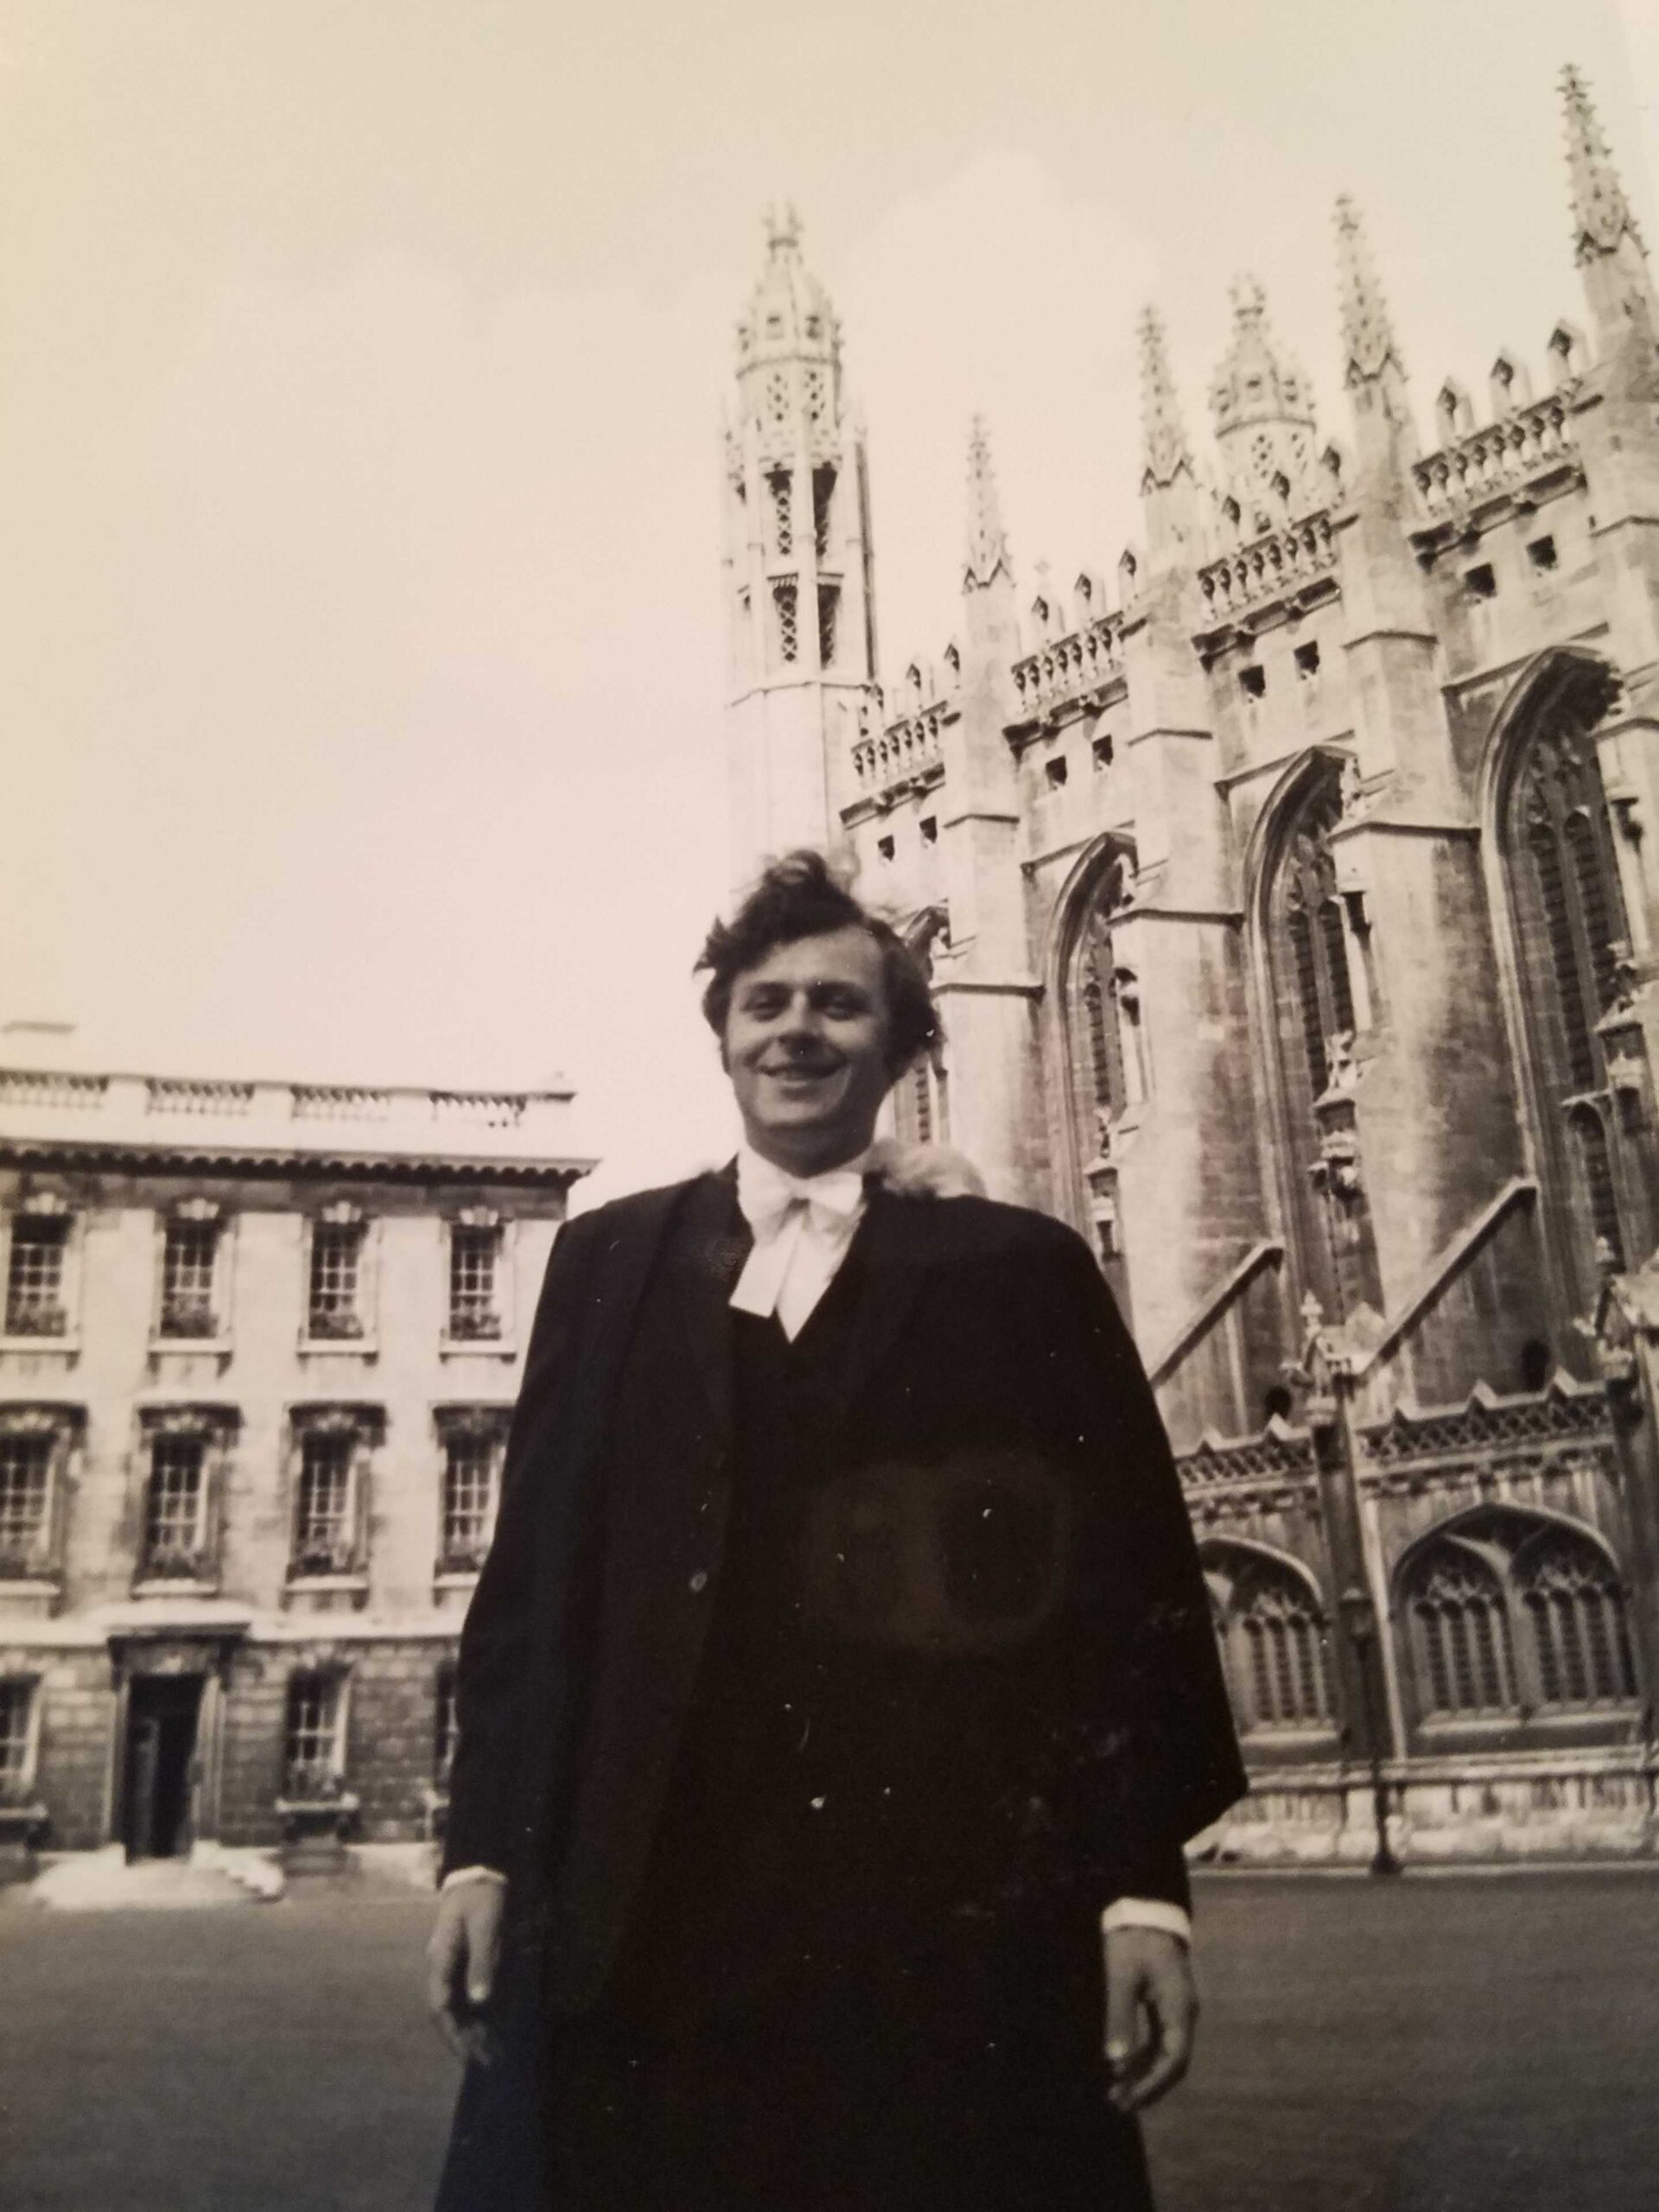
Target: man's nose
801 1022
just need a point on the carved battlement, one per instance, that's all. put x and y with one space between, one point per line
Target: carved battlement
1490 1424
1277 1453
1063 670
1270 567
902 751
1519 450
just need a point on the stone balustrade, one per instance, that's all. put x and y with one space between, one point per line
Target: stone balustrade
160 1112
908 747
1279 562
1063 669
1497 458
28 1087
171 1094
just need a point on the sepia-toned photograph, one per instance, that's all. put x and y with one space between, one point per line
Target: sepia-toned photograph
829 1155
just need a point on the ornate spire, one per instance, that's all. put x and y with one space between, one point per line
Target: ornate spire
783 230
1601 213
1606 243
1368 339
987 541
1163 433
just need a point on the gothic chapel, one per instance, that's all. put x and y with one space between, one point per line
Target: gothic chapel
1294 910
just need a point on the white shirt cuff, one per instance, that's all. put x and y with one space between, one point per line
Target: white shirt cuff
1142 1912
453 1879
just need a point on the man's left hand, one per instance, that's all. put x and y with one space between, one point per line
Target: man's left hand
1152 2009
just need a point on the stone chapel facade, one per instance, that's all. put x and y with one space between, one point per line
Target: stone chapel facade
1292 906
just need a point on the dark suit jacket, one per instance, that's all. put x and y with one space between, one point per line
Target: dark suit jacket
985 1341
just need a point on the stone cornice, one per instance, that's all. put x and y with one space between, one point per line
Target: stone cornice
1010 987
262 1164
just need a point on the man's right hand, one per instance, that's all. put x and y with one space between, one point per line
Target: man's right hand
460 1963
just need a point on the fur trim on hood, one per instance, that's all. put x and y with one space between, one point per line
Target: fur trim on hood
924 1171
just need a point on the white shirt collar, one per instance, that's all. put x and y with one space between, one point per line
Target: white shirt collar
764 1189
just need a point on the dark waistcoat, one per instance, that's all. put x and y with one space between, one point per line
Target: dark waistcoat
840 1788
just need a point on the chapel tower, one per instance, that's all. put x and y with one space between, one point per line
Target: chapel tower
799 611
1264 408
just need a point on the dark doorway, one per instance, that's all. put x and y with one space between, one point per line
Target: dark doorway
161 1715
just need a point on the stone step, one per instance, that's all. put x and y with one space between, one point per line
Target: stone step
99 1881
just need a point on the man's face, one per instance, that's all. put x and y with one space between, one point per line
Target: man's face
807 1045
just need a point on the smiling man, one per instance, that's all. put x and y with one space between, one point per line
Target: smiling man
840 1688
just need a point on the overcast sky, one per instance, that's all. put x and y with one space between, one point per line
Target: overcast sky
360 645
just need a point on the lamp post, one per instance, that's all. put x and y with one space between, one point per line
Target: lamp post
1359 1618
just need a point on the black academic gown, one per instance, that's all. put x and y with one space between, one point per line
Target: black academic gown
947 1523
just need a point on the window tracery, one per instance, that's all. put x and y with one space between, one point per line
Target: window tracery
1319 1003
1275 1640
1107 1068
1105 1006
1510 1614
1311 908
1579 1625
1570 931
1465 1635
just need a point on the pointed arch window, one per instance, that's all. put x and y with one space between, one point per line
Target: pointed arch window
1308 912
1599 1190
1572 907
1571 931
1106 1054
1274 1638
1107 1065
1463 1635
1321 993
1512 1613
1579 1625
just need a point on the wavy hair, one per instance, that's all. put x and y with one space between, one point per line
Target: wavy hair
800 896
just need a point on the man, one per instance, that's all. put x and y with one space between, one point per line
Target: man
840 1688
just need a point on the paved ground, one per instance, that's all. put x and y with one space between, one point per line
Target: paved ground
1449 2045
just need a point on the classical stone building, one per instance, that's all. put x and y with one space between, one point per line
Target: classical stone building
258 1349
1293 902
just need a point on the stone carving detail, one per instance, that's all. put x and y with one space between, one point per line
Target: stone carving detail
1566 1412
